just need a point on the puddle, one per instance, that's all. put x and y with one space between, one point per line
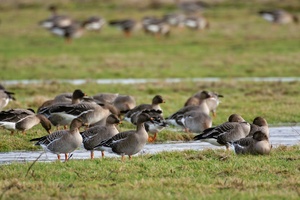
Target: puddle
139 81
287 136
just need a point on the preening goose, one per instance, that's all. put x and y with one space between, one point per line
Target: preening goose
212 102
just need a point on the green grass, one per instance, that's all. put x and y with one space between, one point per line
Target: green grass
238 44
209 174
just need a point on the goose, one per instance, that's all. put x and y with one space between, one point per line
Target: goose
278 16
196 22
128 142
126 25
196 121
88 112
65 98
48 108
123 103
94 135
55 20
212 102
259 124
233 130
23 120
190 7
131 115
174 19
94 23
156 126
176 118
74 30
257 144
62 141
156 27
5 97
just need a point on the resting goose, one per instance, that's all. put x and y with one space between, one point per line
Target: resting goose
257 144
131 115
278 16
63 141
231 131
128 142
5 97
22 120
259 124
96 134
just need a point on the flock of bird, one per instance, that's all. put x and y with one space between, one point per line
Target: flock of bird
100 114
190 16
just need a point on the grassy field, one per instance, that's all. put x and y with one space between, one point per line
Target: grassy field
238 44
207 174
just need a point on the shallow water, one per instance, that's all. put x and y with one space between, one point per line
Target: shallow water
288 136
140 80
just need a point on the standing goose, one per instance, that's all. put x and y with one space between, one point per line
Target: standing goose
5 97
96 134
128 142
212 102
231 131
23 120
63 141
74 30
157 125
278 16
174 19
55 20
131 116
257 144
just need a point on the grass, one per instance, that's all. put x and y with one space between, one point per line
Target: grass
238 44
209 174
